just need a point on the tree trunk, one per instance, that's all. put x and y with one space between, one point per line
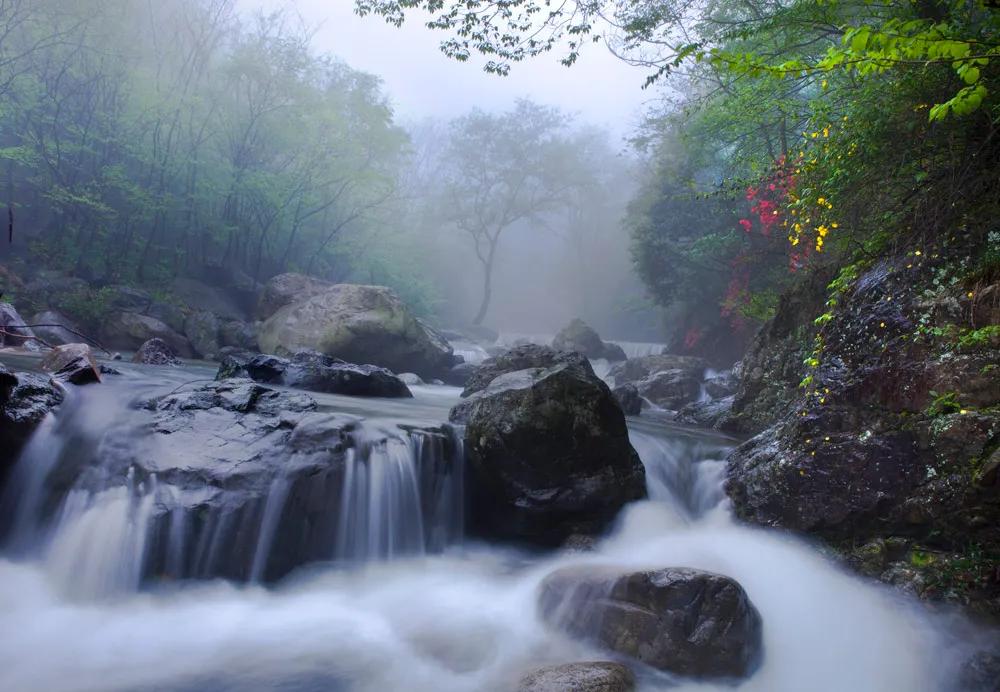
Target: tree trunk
487 283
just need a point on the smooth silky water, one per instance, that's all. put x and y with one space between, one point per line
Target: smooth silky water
401 606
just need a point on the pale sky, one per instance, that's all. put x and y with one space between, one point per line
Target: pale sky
422 82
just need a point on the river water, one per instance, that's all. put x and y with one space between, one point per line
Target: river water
461 617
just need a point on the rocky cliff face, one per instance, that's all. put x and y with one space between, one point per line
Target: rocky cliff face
883 409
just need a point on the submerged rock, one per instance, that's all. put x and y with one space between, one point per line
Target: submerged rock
591 676
680 620
73 363
318 373
357 323
580 337
155 352
548 453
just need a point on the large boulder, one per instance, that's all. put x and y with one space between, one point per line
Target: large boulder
519 358
317 373
580 337
285 289
680 620
73 363
200 296
56 329
155 352
130 330
548 455
25 400
590 676
706 414
12 331
360 324
202 330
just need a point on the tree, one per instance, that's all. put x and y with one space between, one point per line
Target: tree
500 170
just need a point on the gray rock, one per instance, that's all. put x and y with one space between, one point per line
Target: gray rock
409 378
680 620
13 335
580 337
591 676
519 358
548 455
636 369
285 289
73 363
317 373
237 334
459 375
202 297
359 324
706 414
202 330
129 330
155 352
670 389
56 336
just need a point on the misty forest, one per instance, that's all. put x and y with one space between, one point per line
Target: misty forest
500 345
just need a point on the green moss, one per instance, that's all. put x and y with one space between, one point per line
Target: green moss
942 404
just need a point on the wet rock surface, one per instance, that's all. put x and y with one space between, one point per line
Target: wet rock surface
318 373
12 331
130 330
590 676
680 620
55 335
520 358
72 363
155 352
580 337
548 451
627 396
889 439
25 400
670 389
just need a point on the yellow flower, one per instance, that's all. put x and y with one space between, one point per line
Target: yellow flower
826 131
821 200
814 135
834 225
822 230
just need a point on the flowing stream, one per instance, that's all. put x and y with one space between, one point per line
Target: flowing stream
398 600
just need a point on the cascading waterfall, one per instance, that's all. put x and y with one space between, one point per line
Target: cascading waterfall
449 621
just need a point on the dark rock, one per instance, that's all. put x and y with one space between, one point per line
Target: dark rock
155 352
12 334
285 289
580 337
627 396
548 454
202 330
519 358
981 673
358 324
25 400
680 620
127 298
459 375
169 314
130 330
670 389
53 290
58 335
591 676
108 370
318 373
73 363
721 386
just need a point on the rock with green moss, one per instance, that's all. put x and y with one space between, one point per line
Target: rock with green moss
359 324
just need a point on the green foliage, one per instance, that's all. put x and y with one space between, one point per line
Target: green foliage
970 339
943 404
